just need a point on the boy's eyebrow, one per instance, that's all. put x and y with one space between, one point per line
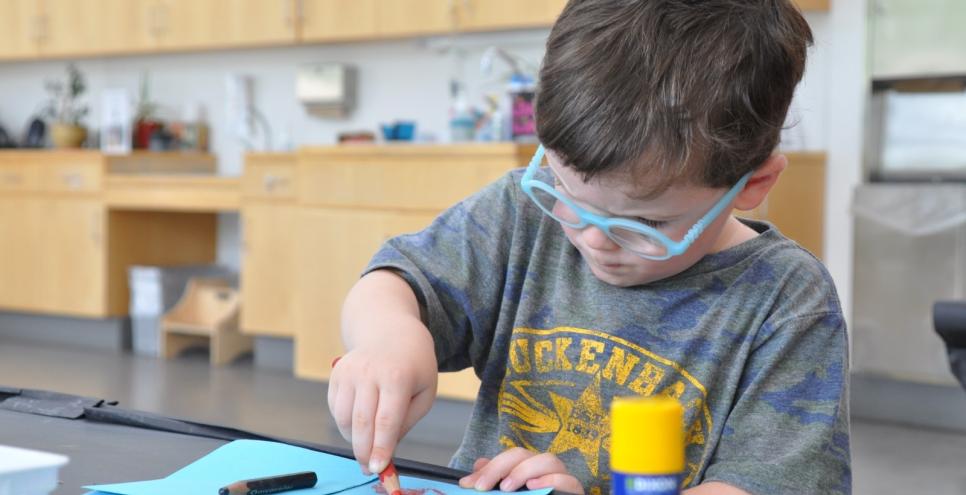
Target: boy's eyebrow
652 195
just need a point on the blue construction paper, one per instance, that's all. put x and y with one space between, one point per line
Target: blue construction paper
420 486
247 459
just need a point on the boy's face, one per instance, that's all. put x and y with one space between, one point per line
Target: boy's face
673 213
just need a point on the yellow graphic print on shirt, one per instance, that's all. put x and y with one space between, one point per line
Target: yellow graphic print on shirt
558 385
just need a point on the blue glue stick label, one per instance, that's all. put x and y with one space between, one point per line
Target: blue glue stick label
637 484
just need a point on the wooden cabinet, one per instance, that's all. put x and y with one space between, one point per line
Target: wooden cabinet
63 28
269 263
194 24
337 20
796 204
84 27
485 15
19 29
64 250
20 232
351 200
334 246
70 259
416 17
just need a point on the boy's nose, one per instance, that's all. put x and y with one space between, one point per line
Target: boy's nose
595 238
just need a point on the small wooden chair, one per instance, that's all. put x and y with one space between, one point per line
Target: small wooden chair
206 315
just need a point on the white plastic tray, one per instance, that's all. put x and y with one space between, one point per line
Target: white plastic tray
28 472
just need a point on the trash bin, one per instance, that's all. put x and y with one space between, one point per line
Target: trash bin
156 289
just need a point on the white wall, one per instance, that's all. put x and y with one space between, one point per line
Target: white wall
409 79
847 84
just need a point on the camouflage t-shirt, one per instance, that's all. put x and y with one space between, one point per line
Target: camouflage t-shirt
751 340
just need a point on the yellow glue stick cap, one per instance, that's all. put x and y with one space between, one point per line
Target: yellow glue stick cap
647 435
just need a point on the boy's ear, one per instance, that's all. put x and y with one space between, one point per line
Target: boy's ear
761 181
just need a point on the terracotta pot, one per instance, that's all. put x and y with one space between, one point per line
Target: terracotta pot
67 136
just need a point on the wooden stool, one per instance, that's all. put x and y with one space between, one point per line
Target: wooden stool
206 315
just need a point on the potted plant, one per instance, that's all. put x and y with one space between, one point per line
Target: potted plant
65 111
145 122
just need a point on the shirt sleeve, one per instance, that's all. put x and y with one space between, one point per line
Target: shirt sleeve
788 430
458 269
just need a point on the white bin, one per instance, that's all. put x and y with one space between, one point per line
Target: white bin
28 472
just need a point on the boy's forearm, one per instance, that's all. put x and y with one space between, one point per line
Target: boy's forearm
382 308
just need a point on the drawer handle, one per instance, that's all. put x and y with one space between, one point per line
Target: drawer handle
271 182
73 180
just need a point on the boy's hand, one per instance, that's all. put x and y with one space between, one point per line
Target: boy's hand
517 467
379 390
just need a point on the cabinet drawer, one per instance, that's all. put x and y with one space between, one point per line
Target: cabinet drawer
77 177
18 177
269 177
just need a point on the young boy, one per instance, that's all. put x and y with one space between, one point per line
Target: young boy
619 270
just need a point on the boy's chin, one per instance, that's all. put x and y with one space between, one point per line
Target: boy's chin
626 278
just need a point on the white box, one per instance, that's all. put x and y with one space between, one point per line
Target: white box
28 472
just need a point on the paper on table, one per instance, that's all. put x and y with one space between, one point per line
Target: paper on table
247 459
419 486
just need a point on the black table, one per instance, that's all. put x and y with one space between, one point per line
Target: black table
109 444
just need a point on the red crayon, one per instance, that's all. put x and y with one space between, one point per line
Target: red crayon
390 480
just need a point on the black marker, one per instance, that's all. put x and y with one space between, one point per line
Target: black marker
271 484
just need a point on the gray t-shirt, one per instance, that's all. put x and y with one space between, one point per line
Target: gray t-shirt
751 340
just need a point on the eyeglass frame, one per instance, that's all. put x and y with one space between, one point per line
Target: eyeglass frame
605 223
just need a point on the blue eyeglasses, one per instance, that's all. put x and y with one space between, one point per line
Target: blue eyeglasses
638 238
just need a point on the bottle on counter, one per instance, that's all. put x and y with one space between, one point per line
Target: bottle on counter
462 120
647 446
194 130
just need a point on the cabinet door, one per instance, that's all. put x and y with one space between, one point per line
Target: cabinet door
333 247
330 20
260 22
185 24
21 29
70 257
20 223
268 269
416 17
483 15
86 27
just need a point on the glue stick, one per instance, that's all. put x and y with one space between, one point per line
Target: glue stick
646 446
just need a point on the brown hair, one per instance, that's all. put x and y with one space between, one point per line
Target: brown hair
670 90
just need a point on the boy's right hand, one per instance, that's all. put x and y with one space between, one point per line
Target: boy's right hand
380 389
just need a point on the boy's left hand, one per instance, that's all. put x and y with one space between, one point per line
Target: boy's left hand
517 467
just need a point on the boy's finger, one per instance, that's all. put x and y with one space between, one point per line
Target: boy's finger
499 467
390 411
532 468
468 480
363 414
559 481
342 410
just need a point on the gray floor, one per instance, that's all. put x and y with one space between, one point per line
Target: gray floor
887 458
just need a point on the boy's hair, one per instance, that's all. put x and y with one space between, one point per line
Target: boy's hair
670 90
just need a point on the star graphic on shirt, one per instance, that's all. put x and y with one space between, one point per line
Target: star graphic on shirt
584 424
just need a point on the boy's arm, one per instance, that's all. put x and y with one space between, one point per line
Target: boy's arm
387 379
